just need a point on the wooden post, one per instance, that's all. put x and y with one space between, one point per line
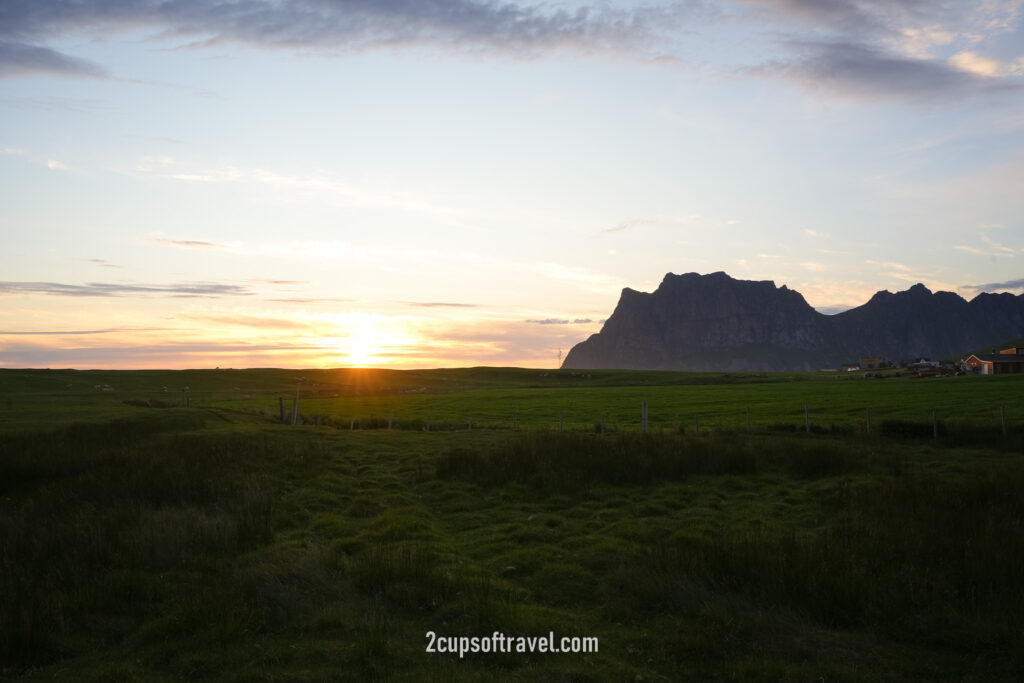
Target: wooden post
935 426
428 424
352 424
391 419
280 403
295 410
807 420
188 401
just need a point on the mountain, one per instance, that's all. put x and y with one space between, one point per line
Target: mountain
715 322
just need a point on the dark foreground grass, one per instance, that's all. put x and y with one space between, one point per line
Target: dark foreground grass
169 544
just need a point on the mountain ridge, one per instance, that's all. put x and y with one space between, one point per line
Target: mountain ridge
715 322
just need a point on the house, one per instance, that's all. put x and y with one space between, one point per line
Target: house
872 363
1005 362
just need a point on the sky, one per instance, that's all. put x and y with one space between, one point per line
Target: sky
430 183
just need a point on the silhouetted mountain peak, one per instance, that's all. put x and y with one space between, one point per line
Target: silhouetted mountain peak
715 322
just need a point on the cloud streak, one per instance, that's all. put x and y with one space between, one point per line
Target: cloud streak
111 289
20 59
864 71
997 286
338 27
190 244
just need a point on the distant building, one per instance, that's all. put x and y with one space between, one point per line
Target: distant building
1005 362
871 363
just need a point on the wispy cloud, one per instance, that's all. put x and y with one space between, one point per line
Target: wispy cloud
865 71
293 187
189 244
114 289
627 225
997 286
298 300
21 59
61 333
103 263
338 27
255 321
437 304
560 321
587 279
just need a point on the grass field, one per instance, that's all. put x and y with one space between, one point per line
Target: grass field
142 540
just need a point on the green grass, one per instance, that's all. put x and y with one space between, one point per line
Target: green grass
214 543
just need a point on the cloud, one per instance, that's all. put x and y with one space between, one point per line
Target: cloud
189 244
312 301
582 277
293 187
626 225
108 289
974 63
997 286
102 263
863 71
19 59
255 321
437 304
45 333
168 355
560 321
338 27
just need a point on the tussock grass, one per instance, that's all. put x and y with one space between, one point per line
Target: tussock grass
215 544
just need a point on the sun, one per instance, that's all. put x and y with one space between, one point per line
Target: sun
365 340
362 346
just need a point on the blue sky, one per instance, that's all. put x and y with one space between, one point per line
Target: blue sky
416 184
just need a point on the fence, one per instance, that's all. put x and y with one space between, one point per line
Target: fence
930 426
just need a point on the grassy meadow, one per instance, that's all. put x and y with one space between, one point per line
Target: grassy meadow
168 526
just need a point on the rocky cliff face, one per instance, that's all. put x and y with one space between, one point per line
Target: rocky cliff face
714 322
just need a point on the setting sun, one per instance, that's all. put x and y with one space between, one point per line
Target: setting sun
365 340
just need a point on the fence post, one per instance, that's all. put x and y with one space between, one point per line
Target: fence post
807 420
280 403
935 426
469 421
352 424
295 410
